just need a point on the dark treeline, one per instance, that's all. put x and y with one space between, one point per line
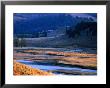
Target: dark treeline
89 27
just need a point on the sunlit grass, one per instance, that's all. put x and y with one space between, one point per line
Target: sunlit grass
21 69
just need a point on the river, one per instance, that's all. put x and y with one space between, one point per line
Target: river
58 69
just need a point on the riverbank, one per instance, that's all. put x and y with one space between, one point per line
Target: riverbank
22 69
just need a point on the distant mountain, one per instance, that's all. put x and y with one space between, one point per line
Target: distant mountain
35 22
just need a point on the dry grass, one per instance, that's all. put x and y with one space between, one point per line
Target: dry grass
79 59
85 62
72 58
34 51
21 69
69 54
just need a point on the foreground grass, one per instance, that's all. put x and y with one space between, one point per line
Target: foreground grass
21 69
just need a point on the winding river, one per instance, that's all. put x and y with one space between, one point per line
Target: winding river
56 69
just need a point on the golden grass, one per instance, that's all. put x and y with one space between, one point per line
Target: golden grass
73 58
59 53
69 53
21 69
86 62
34 51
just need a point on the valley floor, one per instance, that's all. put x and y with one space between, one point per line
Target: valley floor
58 60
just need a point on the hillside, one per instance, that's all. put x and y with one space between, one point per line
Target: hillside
56 30
21 69
61 42
34 22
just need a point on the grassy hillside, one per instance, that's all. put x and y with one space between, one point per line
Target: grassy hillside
61 42
21 69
